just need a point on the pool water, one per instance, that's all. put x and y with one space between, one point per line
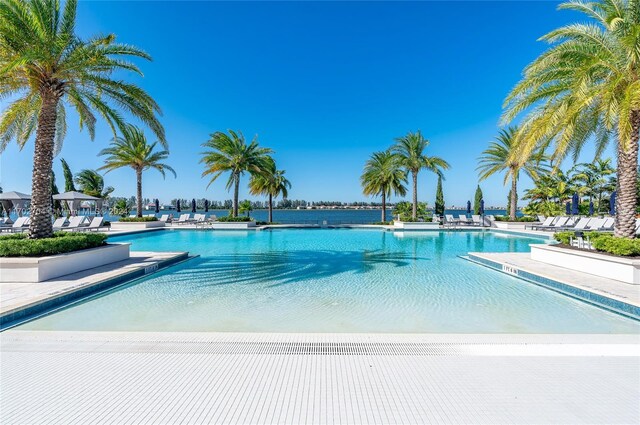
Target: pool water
333 280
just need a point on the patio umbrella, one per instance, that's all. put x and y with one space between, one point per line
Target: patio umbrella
178 205
157 206
468 207
575 200
206 205
481 207
567 208
612 203
590 207
193 205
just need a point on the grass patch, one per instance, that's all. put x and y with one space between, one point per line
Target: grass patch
18 245
138 219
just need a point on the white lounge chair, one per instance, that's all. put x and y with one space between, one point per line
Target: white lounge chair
582 224
463 219
557 225
596 224
59 223
477 220
184 219
546 223
449 219
19 225
96 224
74 223
164 218
609 223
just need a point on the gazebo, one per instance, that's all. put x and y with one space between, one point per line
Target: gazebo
74 199
17 200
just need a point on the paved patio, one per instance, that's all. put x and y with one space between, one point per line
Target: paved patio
145 378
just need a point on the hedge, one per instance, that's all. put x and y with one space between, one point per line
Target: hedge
605 242
228 218
138 219
18 245
524 219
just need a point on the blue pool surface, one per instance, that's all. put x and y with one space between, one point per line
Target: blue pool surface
333 280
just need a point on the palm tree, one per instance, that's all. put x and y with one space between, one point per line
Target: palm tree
45 65
588 84
383 175
231 153
132 150
272 183
500 156
92 183
410 151
596 178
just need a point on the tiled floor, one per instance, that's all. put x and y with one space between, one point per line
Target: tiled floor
82 378
14 296
615 289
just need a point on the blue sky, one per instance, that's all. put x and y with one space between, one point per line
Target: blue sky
324 84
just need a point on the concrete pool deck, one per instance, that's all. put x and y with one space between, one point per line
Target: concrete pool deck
22 299
232 378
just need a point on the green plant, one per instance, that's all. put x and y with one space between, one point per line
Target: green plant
47 66
565 237
92 183
232 219
523 219
132 150
410 150
586 88
245 207
477 200
383 175
231 153
270 182
617 246
500 156
138 219
405 211
18 245
439 205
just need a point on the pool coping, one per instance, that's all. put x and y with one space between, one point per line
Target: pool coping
598 299
17 315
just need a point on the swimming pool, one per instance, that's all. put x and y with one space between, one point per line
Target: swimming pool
333 280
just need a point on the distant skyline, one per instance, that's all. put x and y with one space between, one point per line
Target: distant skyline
324 84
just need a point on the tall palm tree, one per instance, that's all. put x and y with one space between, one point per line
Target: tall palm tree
231 153
272 183
595 176
383 175
46 66
500 156
132 150
410 151
92 183
588 84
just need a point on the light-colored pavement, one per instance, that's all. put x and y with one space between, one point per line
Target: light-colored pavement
104 377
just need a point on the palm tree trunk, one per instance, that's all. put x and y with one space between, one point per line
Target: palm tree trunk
139 193
236 190
627 180
414 212
514 198
270 208
384 208
40 223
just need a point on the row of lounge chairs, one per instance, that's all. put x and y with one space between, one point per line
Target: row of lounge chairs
463 220
558 224
76 223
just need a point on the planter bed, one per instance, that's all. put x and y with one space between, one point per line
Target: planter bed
514 225
417 225
599 264
135 225
38 269
232 225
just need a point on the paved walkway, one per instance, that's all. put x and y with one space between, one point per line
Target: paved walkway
145 378
17 296
610 288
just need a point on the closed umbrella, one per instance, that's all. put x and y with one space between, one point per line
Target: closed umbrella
193 205
482 207
612 203
567 209
468 207
206 205
575 200
157 206
590 207
178 205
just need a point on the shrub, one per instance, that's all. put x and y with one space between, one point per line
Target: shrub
138 219
230 219
565 237
523 219
617 246
18 245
